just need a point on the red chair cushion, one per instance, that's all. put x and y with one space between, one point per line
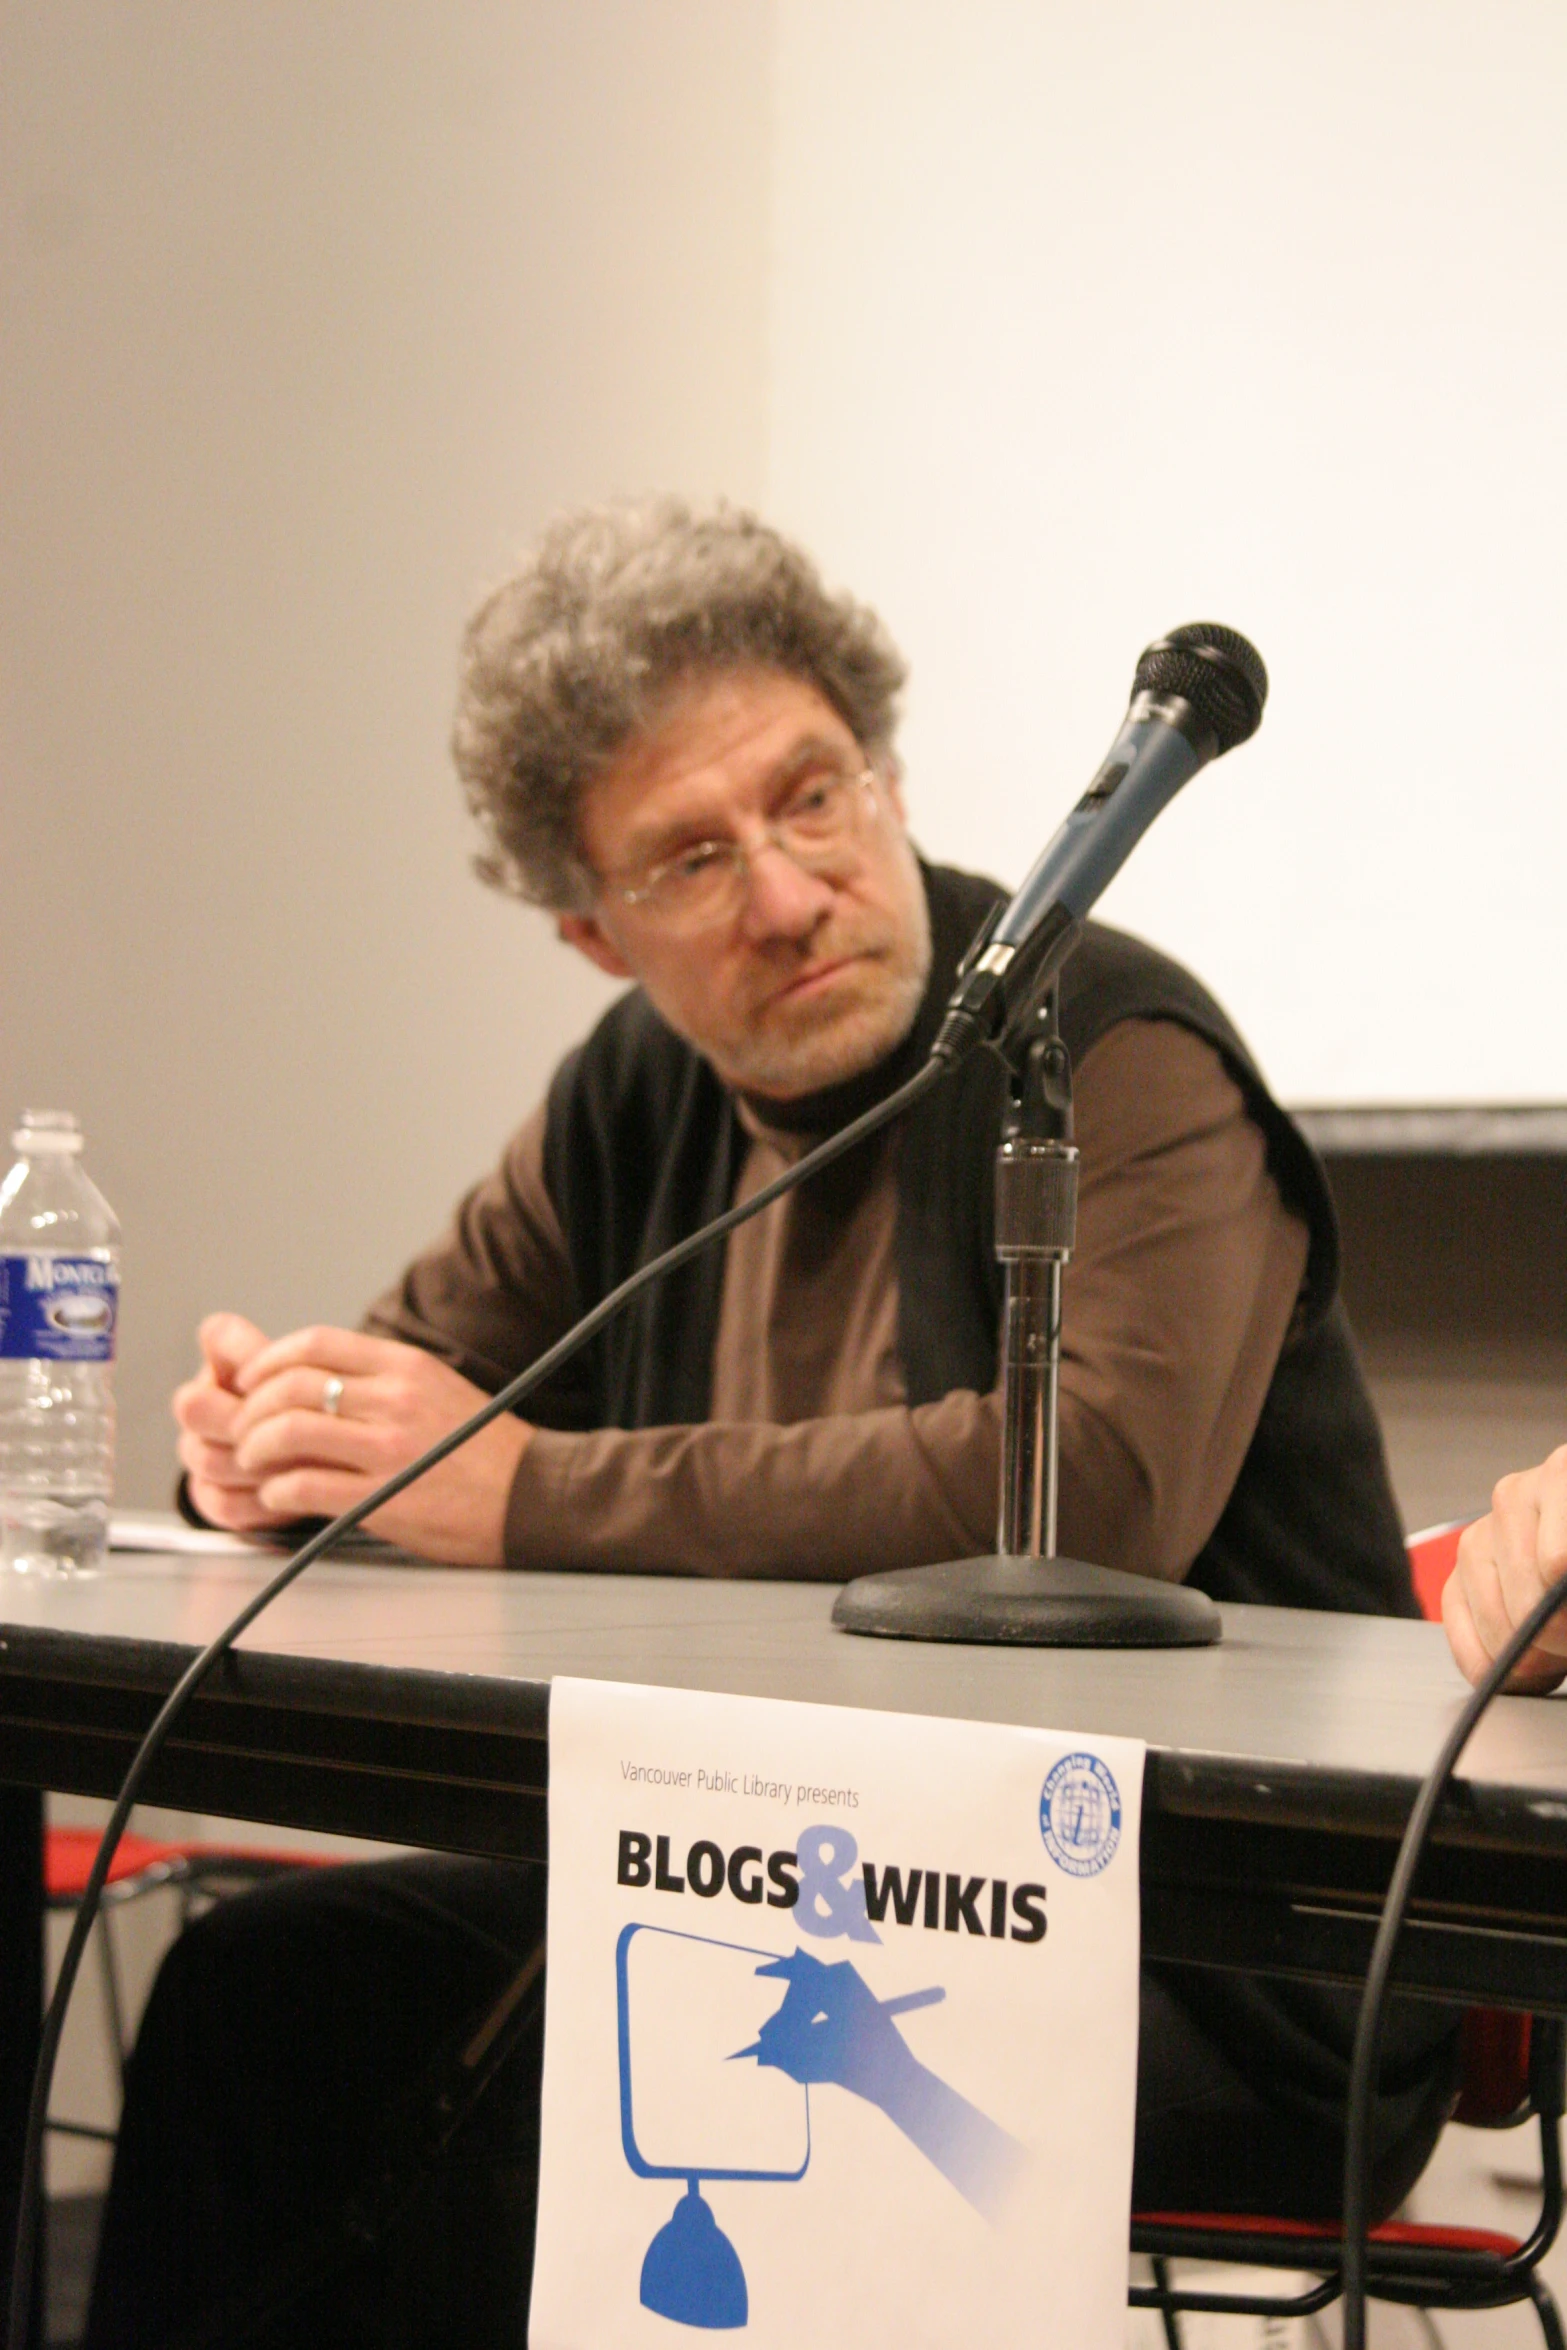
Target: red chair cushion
1305 2231
70 1852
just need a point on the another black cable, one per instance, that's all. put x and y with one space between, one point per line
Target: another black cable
1368 2031
931 1074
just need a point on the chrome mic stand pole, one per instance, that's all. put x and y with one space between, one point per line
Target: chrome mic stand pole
1025 1594
1036 1227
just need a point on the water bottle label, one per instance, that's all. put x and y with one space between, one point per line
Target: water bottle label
58 1309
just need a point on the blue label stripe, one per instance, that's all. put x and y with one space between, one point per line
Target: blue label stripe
57 1309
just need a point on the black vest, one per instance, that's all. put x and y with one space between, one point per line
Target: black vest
643 1144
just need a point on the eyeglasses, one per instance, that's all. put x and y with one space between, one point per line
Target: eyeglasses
821 827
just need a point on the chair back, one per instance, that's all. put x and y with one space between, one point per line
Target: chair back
1431 1557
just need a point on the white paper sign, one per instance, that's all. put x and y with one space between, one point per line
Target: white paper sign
840 2027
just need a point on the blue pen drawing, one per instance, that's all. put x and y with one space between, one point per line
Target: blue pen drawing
832 2027
690 2109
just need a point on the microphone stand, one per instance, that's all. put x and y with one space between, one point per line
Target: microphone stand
1024 1594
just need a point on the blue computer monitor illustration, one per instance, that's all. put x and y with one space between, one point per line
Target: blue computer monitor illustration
687 2004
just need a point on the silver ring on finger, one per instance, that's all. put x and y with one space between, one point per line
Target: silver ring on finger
332 1395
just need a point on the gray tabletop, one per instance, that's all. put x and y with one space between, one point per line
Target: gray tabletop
411 1703
1332 1695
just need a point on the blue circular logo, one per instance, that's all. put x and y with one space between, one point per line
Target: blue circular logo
1080 1815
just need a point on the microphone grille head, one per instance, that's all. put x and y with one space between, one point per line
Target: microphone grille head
1216 670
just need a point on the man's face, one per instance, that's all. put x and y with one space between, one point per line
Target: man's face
810 978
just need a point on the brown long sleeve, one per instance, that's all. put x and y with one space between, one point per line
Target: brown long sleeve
495 1291
1177 1302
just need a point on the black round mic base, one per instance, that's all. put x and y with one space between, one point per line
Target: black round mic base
1028 1603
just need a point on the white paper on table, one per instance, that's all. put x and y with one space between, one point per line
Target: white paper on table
160 1530
930 2141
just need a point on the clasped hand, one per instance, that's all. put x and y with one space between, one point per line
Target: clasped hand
261 1447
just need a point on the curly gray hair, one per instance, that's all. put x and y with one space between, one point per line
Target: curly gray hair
568 660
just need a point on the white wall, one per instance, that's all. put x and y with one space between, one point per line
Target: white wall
1092 320
1046 326
310 315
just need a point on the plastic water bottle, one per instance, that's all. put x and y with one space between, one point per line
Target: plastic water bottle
59 1300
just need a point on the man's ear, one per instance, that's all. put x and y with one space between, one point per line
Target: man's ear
582 932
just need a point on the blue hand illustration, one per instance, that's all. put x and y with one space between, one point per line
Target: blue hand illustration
832 2027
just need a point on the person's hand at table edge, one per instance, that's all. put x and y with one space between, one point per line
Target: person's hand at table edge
1505 1563
205 1409
323 1416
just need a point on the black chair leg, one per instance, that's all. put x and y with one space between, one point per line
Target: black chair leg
1546 2311
1169 2317
113 2003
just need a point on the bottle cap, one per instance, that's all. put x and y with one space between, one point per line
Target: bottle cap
47 1130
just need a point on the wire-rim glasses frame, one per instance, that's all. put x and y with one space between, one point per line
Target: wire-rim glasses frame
820 828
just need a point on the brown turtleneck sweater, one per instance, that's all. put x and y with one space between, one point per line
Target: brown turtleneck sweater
1177 1302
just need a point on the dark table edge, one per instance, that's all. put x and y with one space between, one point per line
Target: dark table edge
1178 1782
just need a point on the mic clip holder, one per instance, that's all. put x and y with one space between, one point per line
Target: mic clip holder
1023 1594
999 987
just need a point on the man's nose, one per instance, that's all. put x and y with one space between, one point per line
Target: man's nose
782 900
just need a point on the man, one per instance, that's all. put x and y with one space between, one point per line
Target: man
677 741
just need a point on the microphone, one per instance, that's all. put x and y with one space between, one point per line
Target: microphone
1196 693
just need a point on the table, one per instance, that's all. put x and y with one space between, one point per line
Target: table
410 1704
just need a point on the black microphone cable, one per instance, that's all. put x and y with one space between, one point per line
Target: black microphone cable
930 1074
1368 2030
